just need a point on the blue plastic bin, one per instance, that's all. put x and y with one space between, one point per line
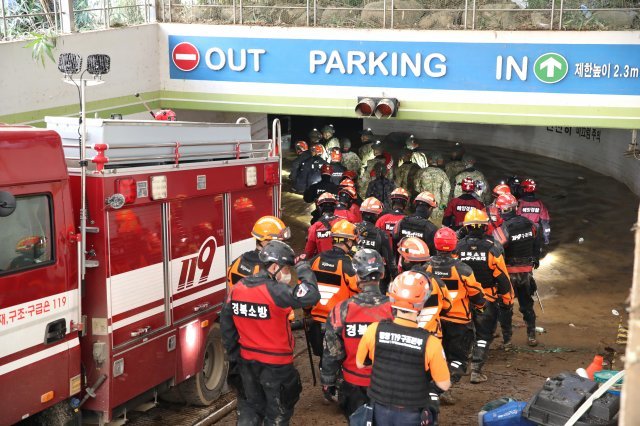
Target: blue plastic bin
510 414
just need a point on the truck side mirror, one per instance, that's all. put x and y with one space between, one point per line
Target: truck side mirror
7 203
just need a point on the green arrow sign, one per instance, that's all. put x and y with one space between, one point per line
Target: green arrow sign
550 68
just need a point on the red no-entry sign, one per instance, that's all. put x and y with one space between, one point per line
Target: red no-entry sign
185 56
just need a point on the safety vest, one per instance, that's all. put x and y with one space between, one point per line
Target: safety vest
357 320
333 283
369 236
518 250
245 265
263 326
475 253
429 316
398 376
532 210
459 207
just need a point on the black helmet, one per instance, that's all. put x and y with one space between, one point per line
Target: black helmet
368 265
277 252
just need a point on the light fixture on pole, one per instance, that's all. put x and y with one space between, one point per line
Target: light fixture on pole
70 64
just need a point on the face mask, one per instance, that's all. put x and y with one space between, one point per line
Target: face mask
285 277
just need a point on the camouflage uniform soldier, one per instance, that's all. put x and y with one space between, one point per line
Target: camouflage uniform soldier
434 180
379 156
418 157
329 140
350 160
405 174
366 149
455 166
380 186
481 189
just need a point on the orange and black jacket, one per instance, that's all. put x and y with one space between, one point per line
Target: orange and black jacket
462 285
437 305
336 280
245 265
485 257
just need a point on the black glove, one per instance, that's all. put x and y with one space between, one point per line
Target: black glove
330 393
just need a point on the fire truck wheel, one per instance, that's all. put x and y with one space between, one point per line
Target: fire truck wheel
206 386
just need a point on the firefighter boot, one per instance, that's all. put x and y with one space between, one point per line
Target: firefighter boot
447 398
531 337
476 374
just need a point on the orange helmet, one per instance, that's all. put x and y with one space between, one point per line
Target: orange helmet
413 249
371 205
350 191
326 197
468 184
475 218
347 182
349 174
301 146
506 202
343 230
400 194
326 169
409 291
318 149
269 228
500 189
336 155
445 239
426 197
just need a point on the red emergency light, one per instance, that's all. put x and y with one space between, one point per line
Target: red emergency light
271 174
127 187
379 107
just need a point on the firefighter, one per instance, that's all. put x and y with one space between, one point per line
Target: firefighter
495 220
319 234
350 160
336 280
418 224
325 184
417 156
267 228
257 336
434 180
366 148
336 165
345 326
415 256
455 166
379 156
518 236
407 170
310 173
328 138
514 183
369 236
380 187
466 293
485 257
315 136
408 369
481 188
296 177
459 206
531 207
387 222
347 207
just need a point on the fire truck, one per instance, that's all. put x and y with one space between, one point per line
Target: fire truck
113 255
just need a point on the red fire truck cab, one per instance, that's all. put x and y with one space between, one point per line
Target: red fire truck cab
120 306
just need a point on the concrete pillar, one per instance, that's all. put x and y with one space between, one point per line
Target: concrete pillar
630 410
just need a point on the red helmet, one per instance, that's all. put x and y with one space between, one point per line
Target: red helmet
350 191
336 155
400 194
326 169
318 149
468 184
326 197
301 146
500 189
528 185
445 239
165 115
371 205
346 182
349 174
506 202
426 197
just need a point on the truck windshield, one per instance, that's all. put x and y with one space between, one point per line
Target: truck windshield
25 235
